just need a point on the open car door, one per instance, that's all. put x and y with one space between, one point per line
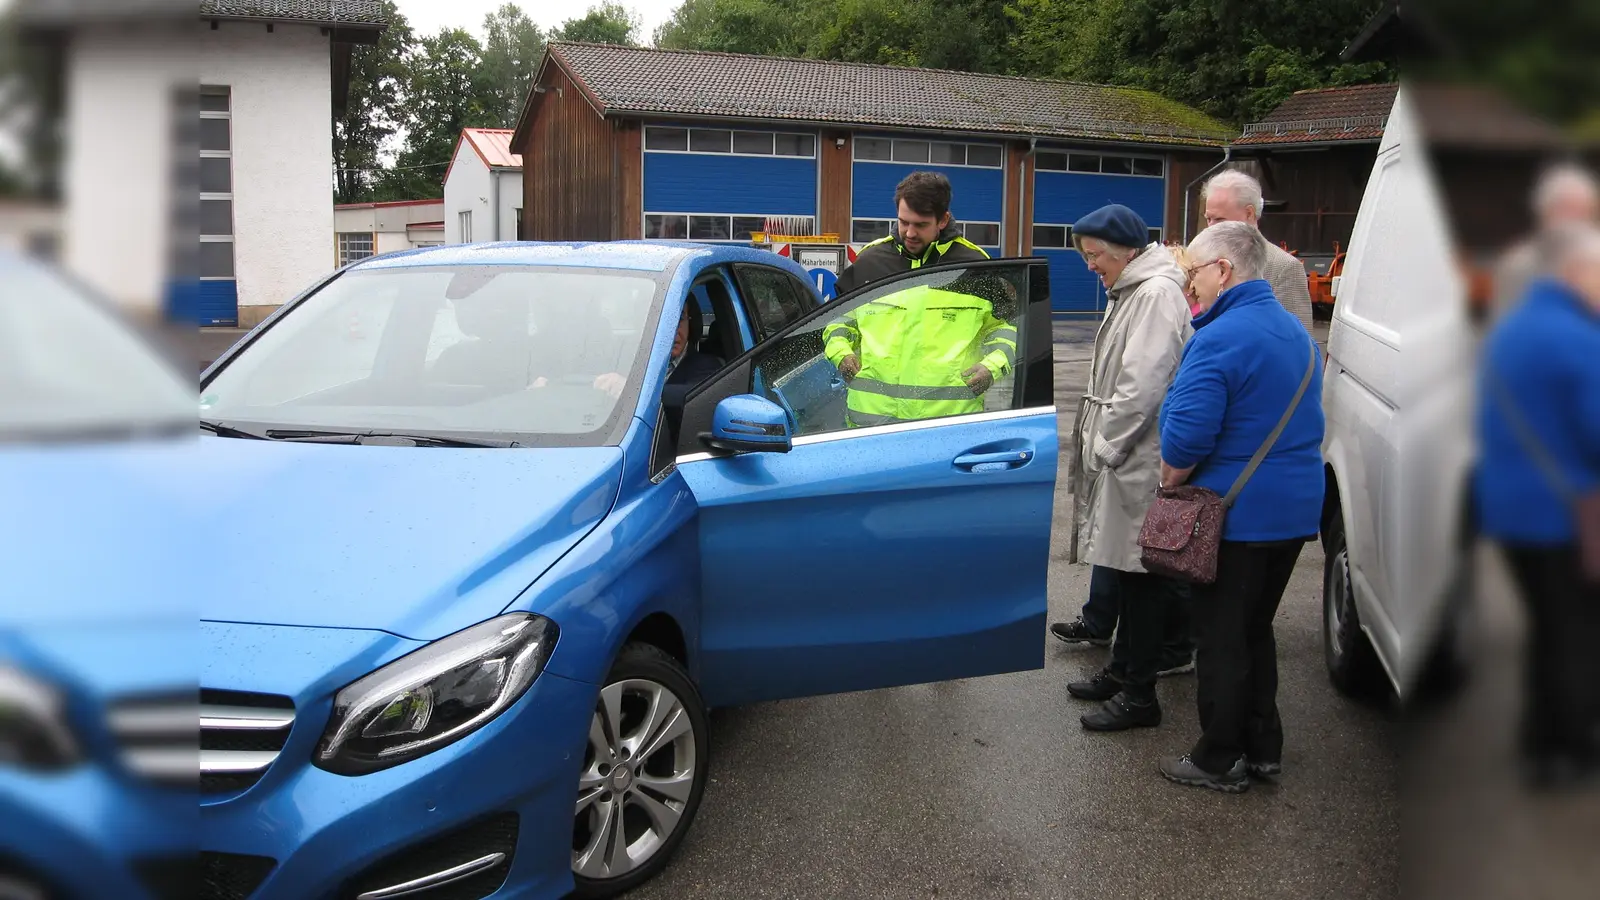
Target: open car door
903 536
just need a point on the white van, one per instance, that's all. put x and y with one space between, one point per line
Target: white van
1398 394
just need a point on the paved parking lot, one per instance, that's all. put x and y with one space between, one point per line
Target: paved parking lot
989 788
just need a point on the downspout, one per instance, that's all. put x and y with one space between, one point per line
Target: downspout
494 176
1022 191
1227 154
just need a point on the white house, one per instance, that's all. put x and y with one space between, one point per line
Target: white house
483 188
272 74
367 229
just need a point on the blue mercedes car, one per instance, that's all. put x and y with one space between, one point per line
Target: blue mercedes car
492 527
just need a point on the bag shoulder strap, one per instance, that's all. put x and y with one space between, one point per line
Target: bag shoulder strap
1266 446
1531 445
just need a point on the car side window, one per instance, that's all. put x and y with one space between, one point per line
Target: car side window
946 342
773 298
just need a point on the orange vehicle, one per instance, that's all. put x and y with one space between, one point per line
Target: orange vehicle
1321 283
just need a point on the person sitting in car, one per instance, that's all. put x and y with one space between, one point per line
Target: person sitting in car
689 366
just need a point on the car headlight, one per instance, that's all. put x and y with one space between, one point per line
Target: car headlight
435 696
34 732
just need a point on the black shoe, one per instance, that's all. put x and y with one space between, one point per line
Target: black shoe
1177 665
1077 632
1182 770
1100 687
1120 714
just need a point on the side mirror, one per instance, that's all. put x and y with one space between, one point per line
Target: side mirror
746 423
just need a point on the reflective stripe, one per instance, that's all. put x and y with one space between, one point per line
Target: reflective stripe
1009 351
1006 332
910 391
866 420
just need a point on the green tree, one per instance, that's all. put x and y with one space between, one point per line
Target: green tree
512 49
445 90
373 112
604 23
766 27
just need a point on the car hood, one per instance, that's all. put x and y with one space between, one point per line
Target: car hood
418 542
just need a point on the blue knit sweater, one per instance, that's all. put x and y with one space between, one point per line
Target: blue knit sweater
1546 353
1238 374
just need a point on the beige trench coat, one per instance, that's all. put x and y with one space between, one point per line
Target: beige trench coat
1115 468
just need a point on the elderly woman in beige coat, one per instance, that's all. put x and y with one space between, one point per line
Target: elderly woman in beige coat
1117 463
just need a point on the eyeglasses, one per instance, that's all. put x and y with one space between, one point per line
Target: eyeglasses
1189 271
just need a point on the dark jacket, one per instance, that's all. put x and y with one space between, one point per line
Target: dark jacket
886 257
694 368
1238 374
1544 352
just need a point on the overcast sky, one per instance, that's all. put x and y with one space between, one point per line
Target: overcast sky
428 16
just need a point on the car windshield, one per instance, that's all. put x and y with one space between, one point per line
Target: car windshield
70 368
539 355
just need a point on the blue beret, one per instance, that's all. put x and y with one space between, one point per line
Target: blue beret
1115 224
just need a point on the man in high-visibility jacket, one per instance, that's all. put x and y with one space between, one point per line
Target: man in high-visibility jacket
924 235
924 352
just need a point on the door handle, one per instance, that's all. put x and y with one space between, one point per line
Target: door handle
994 462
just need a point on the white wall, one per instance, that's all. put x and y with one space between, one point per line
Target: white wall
390 241
510 199
118 167
282 154
467 188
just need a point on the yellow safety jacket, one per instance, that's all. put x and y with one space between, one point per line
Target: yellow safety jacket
914 346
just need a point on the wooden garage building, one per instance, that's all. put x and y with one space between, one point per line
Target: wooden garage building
624 142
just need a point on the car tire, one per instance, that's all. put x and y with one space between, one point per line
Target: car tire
1352 664
643 774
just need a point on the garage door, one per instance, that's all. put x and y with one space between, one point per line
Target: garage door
1067 185
977 183
718 185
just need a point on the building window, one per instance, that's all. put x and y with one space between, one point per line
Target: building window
465 218
938 153
1089 163
716 227
984 234
354 246
1052 237
519 225
865 231
216 184
721 141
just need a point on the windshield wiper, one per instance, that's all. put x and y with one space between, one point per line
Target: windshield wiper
228 431
381 437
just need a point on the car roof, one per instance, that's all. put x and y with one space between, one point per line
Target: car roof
648 256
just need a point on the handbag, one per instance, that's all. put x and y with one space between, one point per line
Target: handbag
1182 532
1585 507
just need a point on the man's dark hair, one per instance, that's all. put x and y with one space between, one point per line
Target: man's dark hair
927 193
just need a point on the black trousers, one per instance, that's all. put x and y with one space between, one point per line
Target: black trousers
1236 663
1151 612
1100 614
1561 683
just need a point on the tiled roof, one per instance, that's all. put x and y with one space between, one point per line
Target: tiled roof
494 146
697 84
1467 116
1356 113
354 13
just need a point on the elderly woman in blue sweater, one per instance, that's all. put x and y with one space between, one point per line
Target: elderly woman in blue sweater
1239 377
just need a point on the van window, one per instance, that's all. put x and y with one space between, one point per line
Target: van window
1377 257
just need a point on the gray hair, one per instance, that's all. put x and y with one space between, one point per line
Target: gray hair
1561 182
1244 189
1240 243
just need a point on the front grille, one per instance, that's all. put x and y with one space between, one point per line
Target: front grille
168 877
240 737
496 834
157 737
232 876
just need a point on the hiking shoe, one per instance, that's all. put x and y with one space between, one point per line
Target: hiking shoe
1182 770
1076 632
1120 714
1100 687
1181 665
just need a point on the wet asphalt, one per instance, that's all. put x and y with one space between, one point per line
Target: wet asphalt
990 788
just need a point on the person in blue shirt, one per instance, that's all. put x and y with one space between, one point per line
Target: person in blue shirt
1239 375
1539 445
